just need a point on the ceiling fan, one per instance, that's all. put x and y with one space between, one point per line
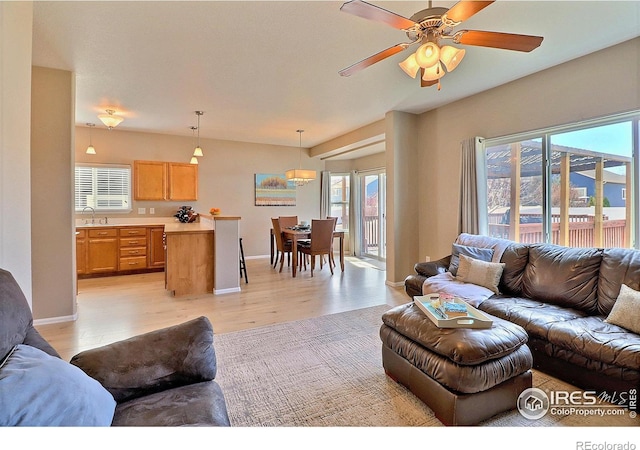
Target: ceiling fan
429 28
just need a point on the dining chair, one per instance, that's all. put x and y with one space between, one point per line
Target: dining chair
288 221
335 221
282 246
321 242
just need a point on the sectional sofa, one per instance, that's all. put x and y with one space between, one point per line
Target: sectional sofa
579 306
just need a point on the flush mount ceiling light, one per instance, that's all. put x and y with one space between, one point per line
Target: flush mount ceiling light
428 28
90 149
198 150
300 176
109 119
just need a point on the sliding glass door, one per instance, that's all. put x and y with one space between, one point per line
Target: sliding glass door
571 186
373 229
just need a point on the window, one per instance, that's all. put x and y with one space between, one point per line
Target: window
340 200
103 187
565 186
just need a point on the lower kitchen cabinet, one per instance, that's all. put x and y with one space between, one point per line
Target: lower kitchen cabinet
115 250
102 250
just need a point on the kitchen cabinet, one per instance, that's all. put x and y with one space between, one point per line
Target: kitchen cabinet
156 247
172 181
81 252
113 250
183 181
149 180
102 250
132 248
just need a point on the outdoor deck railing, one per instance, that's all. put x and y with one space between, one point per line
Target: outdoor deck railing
581 234
371 234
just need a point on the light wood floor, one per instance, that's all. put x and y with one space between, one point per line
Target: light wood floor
115 308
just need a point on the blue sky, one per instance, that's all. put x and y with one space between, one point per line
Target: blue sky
615 139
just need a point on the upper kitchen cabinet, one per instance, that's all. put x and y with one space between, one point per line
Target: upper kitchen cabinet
157 180
150 180
183 181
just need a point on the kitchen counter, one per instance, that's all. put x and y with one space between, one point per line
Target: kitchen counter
195 227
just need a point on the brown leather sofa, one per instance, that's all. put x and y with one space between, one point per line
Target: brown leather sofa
161 378
561 296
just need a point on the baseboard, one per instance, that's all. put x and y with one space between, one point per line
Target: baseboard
395 284
226 291
51 320
257 257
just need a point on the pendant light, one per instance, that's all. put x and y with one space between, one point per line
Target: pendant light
198 149
300 176
90 149
194 160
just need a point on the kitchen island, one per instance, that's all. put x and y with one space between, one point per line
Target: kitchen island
202 257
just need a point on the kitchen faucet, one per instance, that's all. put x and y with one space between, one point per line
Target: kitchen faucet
93 215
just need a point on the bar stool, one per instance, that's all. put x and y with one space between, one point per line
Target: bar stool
243 265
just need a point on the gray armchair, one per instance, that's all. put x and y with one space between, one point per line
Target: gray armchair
161 378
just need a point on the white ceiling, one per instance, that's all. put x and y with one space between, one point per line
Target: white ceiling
261 70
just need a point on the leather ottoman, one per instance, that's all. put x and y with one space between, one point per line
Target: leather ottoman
464 375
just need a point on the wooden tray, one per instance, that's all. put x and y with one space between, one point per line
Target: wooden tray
474 318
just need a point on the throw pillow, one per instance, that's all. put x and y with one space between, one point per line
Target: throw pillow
478 272
41 390
483 254
626 310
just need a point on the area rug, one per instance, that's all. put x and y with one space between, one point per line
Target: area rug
327 372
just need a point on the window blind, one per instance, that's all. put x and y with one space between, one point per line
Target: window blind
103 187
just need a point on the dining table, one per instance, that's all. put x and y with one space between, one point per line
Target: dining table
295 234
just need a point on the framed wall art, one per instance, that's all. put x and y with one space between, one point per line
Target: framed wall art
274 190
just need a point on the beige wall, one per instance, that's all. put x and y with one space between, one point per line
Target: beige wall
596 85
15 110
52 228
226 176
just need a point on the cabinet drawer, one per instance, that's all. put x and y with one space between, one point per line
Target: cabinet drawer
82 234
103 232
127 232
133 241
133 251
137 262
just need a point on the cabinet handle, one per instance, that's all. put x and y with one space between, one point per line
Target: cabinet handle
133 252
102 233
132 232
133 242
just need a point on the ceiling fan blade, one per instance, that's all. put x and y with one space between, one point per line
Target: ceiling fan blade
464 9
506 41
372 12
357 67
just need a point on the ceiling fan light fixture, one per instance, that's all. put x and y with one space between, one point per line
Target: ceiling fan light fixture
451 57
410 66
198 151
109 119
194 160
433 73
427 55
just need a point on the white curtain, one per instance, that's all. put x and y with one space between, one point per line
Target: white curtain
355 218
472 188
325 194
